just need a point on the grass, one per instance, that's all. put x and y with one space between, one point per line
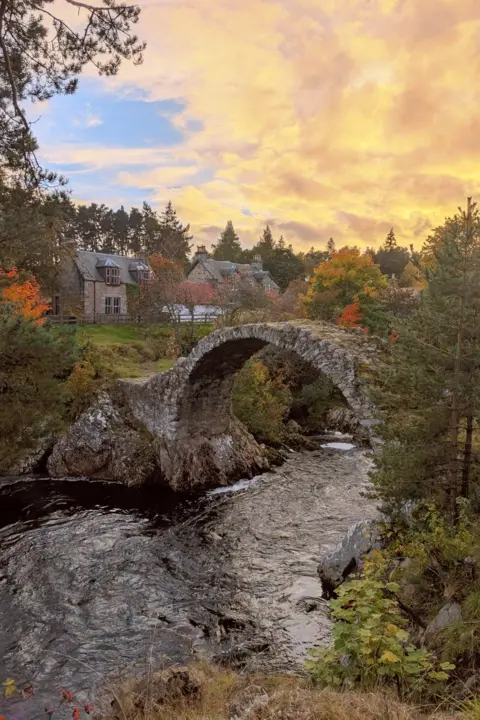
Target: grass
107 334
131 351
284 698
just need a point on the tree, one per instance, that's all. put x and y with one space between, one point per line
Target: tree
174 237
135 222
336 283
331 246
228 245
31 228
351 316
390 243
430 394
35 362
121 231
284 265
392 258
23 295
151 233
312 258
42 56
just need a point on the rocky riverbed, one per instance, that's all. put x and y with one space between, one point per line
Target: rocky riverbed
97 579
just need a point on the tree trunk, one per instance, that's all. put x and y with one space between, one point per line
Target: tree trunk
467 455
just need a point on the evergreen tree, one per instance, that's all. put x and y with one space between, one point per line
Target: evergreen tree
331 246
390 241
151 233
121 231
228 245
34 363
42 56
175 238
135 223
392 258
430 393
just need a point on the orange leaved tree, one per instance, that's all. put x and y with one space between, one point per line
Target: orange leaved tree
23 294
351 315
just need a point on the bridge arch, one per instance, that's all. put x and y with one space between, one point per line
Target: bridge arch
188 409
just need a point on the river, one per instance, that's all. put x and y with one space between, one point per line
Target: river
98 580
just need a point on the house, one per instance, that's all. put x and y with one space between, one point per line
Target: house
94 284
223 273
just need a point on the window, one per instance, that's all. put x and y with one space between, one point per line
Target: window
113 305
143 276
112 276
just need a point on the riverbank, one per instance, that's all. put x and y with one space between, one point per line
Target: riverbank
206 692
95 578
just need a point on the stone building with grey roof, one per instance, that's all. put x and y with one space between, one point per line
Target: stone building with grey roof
95 284
223 273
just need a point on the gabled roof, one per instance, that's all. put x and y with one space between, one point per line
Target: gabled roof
90 264
222 269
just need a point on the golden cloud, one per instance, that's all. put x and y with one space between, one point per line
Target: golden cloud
327 117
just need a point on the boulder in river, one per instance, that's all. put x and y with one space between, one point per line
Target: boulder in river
347 557
102 445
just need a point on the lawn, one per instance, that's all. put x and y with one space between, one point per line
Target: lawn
107 334
130 351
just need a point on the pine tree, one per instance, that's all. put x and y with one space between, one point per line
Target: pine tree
42 56
228 245
390 241
331 246
121 231
392 258
175 238
135 223
431 389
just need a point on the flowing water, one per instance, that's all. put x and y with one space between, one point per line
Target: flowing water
98 580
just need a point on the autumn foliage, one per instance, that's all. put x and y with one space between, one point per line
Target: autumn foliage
23 295
351 316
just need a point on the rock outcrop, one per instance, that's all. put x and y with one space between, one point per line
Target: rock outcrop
101 445
348 556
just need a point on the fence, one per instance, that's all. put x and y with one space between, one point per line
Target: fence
201 314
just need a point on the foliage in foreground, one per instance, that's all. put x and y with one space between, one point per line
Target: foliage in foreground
285 698
371 644
35 362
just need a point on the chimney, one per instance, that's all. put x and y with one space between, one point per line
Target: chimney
257 263
201 253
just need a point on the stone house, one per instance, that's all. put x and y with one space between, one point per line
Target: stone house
93 285
223 273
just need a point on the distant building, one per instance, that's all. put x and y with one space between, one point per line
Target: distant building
223 273
94 285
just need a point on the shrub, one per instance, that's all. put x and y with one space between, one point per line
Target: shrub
81 385
371 646
35 362
261 401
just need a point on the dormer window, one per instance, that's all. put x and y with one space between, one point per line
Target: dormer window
112 276
143 276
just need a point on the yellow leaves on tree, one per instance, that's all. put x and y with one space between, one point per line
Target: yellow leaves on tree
348 274
23 295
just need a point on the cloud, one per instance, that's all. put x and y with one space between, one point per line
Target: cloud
335 118
88 119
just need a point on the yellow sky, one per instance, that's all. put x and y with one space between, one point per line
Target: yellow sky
327 117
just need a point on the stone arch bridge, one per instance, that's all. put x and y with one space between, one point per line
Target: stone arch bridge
187 413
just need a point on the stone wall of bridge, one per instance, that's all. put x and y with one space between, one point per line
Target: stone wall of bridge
187 413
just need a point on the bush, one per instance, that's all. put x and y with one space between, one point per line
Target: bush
81 385
371 646
261 401
35 362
